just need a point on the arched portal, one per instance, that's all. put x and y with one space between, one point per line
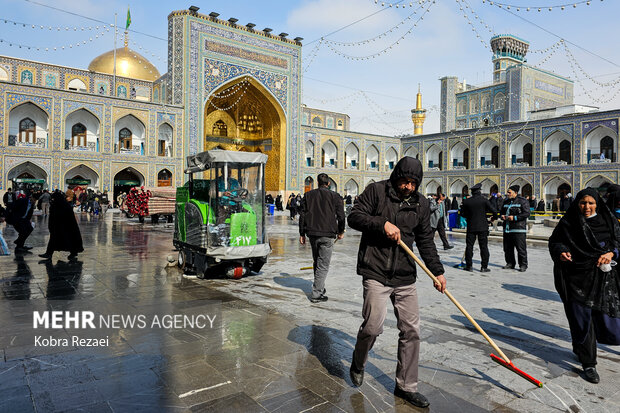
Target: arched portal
432 188
28 176
164 178
308 184
254 118
127 179
351 156
599 183
555 188
82 176
487 186
457 189
351 188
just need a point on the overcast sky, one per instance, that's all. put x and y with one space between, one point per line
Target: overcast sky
441 44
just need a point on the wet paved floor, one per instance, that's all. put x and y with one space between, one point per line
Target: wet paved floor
271 350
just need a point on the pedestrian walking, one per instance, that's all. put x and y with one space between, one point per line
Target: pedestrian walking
290 205
583 246
321 218
4 248
475 210
44 199
8 198
20 217
439 219
279 203
515 211
64 230
386 212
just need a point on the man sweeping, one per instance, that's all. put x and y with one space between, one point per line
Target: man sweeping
386 212
321 218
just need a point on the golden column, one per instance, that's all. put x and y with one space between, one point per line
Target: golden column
418 115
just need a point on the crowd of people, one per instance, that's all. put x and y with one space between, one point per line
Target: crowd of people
57 207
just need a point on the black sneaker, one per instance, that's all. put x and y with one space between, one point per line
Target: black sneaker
591 375
357 376
448 247
320 299
484 269
508 267
467 269
46 256
417 399
523 268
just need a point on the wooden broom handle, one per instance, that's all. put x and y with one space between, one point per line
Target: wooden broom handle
456 303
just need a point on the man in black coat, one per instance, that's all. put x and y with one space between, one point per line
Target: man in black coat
321 217
386 212
8 198
475 210
515 212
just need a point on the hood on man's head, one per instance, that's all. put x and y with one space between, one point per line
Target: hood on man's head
407 167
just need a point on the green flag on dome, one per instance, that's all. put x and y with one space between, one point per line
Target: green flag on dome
128 19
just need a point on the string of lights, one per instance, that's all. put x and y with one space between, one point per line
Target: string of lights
313 54
333 100
398 4
384 34
146 51
538 8
546 50
235 103
601 99
55 28
462 3
552 50
228 92
12 43
572 58
388 48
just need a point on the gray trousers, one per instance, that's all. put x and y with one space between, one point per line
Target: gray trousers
322 248
45 207
405 302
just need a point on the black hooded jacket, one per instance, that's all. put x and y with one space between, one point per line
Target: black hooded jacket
379 258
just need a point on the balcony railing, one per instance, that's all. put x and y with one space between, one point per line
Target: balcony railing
90 146
557 163
13 141
433 168
134 151
459 167
599 160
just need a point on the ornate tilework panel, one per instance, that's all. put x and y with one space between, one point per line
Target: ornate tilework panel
71 106
14 99
610 123
548 130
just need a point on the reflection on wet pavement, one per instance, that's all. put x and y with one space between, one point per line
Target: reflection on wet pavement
271 349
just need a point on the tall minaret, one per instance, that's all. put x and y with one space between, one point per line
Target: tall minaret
418 115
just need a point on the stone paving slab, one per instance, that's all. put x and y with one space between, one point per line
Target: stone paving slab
274 350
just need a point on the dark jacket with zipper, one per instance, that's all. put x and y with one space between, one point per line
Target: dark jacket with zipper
380 258
519 209
321 214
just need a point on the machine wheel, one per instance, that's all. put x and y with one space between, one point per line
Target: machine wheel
182 260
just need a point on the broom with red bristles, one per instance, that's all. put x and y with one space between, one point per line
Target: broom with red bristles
504 360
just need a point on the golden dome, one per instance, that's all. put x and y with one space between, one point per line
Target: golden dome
128 64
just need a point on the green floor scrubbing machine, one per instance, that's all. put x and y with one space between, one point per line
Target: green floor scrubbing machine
220 214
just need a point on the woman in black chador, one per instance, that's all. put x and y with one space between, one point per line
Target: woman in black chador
583 246
64 231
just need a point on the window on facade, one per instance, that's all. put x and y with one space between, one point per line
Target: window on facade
78 135
161 147
495 156
124 138
27 131
473 105
220 129
462 107
527 153
316 121
607 148
466 158
486 103
499 103
565 151
339 123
